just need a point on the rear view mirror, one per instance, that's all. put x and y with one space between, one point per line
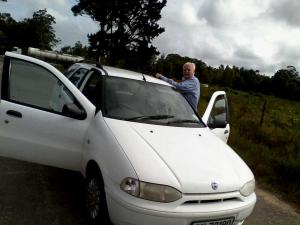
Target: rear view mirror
216 116
219 115
73 111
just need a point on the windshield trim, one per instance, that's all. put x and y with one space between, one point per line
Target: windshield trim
159 123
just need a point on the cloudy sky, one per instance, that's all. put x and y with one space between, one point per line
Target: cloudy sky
260 34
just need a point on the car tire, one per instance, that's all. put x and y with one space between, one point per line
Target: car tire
95 199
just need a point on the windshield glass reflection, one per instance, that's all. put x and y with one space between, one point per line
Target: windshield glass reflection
145 102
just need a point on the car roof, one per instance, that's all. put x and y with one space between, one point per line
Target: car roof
117 72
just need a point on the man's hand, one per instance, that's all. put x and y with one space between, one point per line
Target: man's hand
158 75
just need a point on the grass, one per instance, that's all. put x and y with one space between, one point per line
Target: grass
271 149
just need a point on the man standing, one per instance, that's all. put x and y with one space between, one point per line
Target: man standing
190 85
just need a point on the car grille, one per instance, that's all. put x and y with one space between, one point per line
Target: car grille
208 201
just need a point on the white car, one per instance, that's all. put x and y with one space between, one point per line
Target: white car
147 157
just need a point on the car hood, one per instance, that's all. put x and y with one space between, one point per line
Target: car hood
189 159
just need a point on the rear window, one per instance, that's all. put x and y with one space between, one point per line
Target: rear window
71 69
78 76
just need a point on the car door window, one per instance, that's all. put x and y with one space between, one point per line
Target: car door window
78 77
32 85
92 88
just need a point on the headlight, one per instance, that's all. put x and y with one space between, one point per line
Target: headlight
248 188
149 191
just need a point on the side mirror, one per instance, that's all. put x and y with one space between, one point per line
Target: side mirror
72 110
217 124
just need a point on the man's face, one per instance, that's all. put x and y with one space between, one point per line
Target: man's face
188 71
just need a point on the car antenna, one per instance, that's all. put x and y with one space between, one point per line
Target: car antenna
99 65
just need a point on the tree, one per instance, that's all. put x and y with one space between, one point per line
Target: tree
8 28
227 79
127 29
77 49
286 82
36 32
67 49
40 32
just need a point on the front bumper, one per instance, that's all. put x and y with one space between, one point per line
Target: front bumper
127 210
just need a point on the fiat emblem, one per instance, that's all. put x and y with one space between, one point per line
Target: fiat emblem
214 185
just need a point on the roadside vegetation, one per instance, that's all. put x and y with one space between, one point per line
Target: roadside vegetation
270 146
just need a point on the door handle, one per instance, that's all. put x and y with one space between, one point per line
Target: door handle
14 113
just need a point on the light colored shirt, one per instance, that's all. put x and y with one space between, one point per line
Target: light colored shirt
190 88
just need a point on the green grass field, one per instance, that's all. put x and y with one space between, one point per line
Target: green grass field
271 149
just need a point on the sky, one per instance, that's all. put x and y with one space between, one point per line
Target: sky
262 35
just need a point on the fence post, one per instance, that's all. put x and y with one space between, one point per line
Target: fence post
263 113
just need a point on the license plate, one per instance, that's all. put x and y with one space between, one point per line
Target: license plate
224 221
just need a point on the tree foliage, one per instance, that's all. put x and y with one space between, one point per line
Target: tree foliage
78 49
7 28
41 31
127 29
35 32
286 82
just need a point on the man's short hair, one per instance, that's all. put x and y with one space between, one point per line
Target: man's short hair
190 64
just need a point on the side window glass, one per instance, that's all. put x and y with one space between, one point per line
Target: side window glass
35 86
92 88
71 69
219 115
78 77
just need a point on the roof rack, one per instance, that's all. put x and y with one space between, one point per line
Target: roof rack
97 63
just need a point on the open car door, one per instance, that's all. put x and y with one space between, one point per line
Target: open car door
43 116
216 116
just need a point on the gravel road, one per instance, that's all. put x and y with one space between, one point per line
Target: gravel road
32 194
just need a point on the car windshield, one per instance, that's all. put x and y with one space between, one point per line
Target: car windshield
145 102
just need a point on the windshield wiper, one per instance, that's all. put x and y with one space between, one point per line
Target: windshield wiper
153 117
183 121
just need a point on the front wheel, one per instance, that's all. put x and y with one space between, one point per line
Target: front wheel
95 199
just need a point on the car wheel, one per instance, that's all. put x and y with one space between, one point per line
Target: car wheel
95 200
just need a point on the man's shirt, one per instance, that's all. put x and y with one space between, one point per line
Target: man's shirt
190 88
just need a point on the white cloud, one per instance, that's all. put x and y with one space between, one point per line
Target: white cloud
257 34
286 11
59 18
188 15
246 33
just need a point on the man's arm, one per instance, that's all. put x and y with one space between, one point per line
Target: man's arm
185 87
